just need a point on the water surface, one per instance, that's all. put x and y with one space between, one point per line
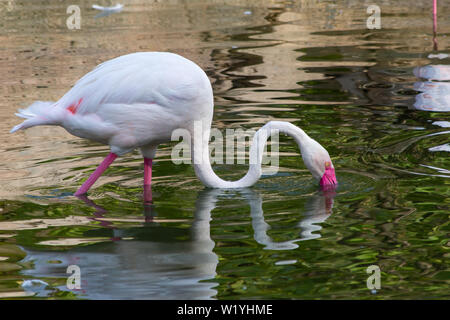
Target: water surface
375 99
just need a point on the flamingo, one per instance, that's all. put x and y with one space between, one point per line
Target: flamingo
139 99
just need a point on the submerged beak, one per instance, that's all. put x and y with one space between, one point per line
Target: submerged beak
329 178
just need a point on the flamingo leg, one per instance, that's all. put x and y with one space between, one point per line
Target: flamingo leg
148 180
435 44
97 173
434 16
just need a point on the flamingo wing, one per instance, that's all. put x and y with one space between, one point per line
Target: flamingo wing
153 78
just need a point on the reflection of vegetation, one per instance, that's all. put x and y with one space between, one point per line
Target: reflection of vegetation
376 231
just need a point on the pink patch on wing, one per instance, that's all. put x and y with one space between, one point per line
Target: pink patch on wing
329 177
74 106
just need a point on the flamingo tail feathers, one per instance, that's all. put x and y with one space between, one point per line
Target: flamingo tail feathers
36 114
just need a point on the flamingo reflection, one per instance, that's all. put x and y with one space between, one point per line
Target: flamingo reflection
165 262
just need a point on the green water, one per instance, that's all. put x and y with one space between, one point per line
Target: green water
314 64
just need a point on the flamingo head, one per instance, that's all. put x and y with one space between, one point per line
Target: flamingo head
328 179
319 163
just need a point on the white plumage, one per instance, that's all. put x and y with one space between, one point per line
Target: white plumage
131 101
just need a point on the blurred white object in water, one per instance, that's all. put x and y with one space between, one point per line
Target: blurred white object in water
433 87
442 147
106 11
440 170
443 124
117 8
438 56
34 283
429 102
435 95
433 72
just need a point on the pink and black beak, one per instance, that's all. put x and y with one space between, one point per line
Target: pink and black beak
328 179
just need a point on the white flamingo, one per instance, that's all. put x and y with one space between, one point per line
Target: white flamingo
138 100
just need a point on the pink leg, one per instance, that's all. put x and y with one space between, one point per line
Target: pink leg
97 173
148 179
434 16
434 24
148 171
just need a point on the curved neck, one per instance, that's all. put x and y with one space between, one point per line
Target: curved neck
202 165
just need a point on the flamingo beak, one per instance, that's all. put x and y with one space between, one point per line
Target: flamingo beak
329 177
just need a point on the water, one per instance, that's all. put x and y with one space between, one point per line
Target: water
365 95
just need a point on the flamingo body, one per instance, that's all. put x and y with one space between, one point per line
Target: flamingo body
133 101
